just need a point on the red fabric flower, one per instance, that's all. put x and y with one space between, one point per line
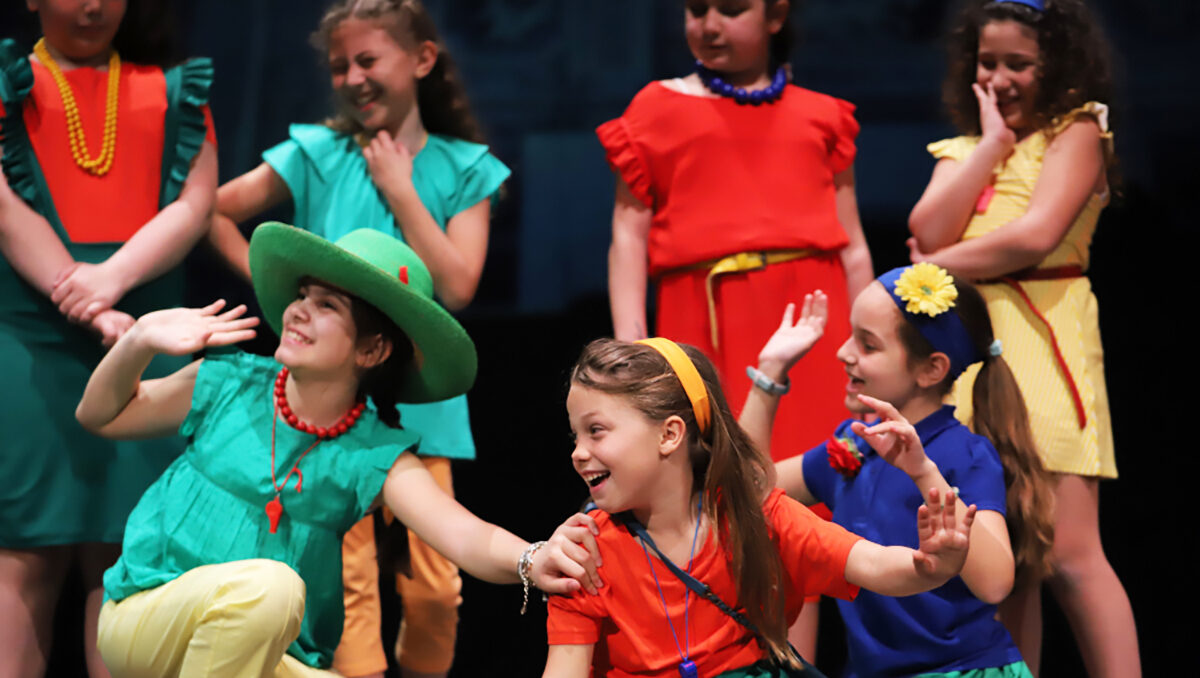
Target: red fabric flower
844 456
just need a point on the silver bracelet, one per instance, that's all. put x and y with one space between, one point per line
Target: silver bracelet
524 566
766 383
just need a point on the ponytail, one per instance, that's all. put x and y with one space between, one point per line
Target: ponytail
731 470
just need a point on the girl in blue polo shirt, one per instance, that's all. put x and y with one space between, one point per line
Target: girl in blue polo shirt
913 333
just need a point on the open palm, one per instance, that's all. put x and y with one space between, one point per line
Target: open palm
793 339
183 331
944 536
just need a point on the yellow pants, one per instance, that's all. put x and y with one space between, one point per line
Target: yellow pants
232 620
431 599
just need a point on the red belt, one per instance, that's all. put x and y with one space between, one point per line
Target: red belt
1055 273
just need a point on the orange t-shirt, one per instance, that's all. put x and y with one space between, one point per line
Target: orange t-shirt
724 178
113 207
626 622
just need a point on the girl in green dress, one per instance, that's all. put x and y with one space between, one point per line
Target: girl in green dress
232 557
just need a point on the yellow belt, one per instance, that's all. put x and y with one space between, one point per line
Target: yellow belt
739 263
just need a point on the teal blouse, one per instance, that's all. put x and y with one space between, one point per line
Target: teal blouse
209 506
333 195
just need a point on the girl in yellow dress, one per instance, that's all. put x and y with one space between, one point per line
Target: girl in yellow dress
1013 205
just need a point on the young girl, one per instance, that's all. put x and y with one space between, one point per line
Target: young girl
735 193
1013 204
109 174
914 332
231 556
656 443
403 156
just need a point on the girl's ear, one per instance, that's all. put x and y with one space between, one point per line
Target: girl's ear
372 351
674 434
427 56
776 14
934 370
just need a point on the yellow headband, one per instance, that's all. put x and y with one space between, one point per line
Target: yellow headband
688 375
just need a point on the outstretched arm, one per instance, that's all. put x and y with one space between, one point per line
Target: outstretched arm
116 402
628 265
157 247
901 571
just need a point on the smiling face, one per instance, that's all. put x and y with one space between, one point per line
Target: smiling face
81 30
733 36
875 358
319 334
1008 60
374 76
619 451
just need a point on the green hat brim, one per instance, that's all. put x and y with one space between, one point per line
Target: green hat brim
282 255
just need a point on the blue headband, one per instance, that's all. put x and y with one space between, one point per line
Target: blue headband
925 293
1039 5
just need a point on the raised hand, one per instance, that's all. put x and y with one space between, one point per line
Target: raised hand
570 558
792 340
944 536
83 290
390 163
183 331
893 437
991 123
110 324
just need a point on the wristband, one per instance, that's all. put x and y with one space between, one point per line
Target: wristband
766 383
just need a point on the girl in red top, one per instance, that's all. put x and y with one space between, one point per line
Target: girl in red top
735 192
656 442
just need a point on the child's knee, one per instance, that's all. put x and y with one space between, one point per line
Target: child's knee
267 594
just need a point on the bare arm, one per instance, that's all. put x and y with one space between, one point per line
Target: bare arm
237 201
158 246
1072 170
856 258
568 661
116 402
627 264
29 242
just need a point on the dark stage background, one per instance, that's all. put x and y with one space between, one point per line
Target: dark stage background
543 73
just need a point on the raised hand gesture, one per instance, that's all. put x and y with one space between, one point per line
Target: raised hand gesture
792 340
183 331
893 437
991 123
944 536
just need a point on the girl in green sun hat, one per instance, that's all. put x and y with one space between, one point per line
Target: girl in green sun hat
232 558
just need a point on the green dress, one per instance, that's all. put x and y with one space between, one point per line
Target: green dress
63 485
333 195
209 506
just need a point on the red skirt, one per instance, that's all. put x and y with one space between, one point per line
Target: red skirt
749 307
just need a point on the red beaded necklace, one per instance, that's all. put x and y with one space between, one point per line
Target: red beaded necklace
275 507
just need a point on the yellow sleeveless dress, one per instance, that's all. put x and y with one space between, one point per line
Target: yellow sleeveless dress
1067 304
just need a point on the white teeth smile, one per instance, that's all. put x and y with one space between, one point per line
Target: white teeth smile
296 336
594 478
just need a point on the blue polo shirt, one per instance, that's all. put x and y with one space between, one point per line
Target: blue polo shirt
947 629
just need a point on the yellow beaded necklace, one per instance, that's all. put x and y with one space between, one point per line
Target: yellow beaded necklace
100 165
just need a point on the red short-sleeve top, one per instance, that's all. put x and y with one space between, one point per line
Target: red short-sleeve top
723 177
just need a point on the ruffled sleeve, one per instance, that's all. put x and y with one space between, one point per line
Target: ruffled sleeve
189 103
375 454
480 175
1092 109
626 159
220 375
306 156
16 79
844 132
957 148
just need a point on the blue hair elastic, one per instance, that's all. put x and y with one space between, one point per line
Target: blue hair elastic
944 331
1038 5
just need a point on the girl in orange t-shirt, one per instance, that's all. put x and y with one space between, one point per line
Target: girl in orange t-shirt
656 442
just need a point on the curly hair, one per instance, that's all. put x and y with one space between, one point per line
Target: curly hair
441 98
1074 67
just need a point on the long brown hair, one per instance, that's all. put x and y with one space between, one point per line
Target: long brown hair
441 98
1000 416
732 472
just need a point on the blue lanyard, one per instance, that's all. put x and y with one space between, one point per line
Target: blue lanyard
687 668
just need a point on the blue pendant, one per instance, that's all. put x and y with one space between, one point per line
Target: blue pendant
687 669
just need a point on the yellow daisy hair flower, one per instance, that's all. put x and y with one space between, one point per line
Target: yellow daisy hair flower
926 288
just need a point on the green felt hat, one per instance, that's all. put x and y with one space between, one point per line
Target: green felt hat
383 272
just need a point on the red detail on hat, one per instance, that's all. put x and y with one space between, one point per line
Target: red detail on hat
404 274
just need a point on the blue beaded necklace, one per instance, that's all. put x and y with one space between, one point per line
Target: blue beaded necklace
717 85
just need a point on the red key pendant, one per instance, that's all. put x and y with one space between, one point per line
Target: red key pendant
274 511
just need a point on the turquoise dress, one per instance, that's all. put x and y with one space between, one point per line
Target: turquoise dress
209 505
333 195
63 485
